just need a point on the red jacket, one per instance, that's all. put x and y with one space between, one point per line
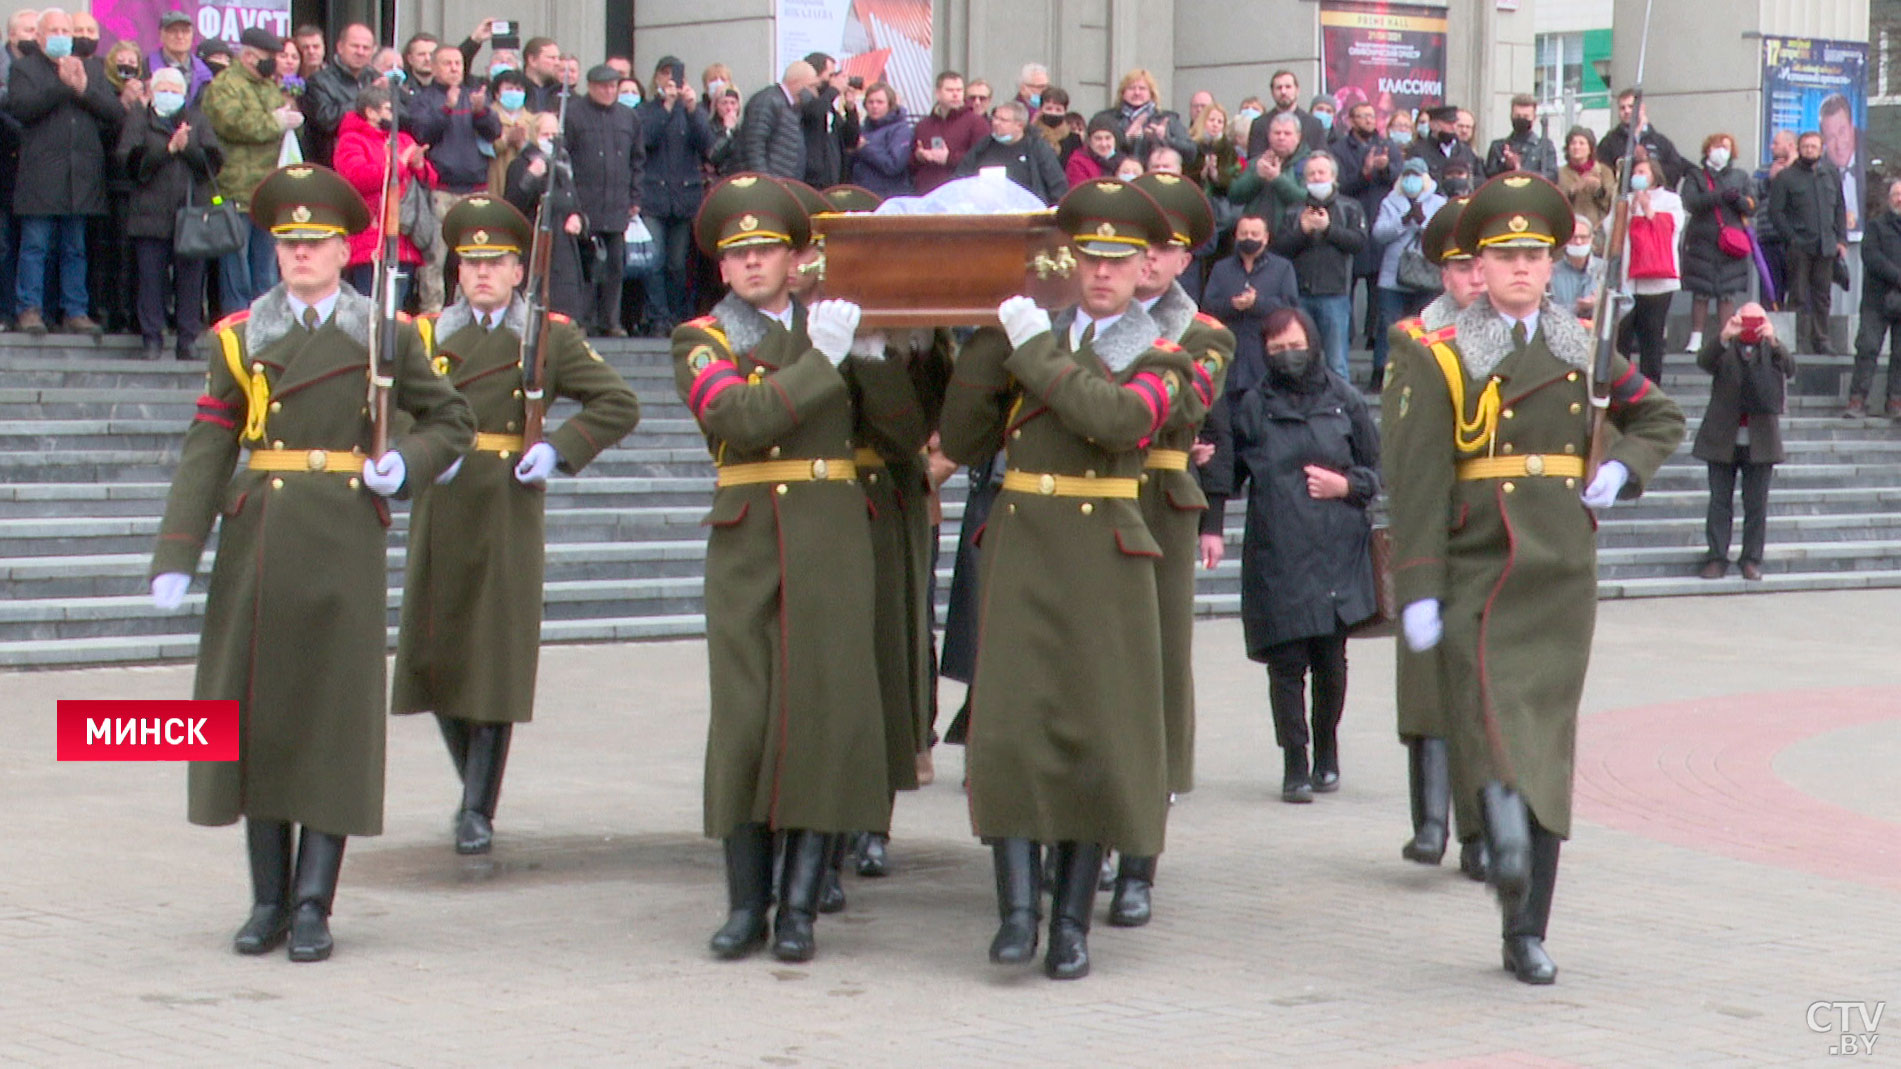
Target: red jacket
1082 166
359 159
961 130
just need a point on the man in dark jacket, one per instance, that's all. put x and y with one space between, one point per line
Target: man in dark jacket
1661 149
677 139
604 141
829 127
1524 150
331 92
454 121
1442 146
1243 290
945 135
1029 161
1321 237
63 103
1286 91
1369 168
1880 308
1806 203
771 137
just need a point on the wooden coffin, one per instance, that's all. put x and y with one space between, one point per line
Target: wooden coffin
943 270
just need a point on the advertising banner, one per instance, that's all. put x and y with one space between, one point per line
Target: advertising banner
876 40
1811 85
137 20
1391 56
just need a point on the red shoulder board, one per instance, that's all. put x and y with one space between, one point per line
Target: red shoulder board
1411 324
1167 346
557 317
702 322
232 320
431 316
404 317
1443 334
1209 321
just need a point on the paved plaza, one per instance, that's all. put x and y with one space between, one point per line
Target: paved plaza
1737 859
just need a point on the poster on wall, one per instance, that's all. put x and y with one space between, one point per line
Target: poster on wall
137 20
1391 56
1821 86
877 40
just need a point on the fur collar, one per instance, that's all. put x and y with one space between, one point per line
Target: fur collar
1173 312
459 316
271 317
1125 340
745 326
1485 341
1439 313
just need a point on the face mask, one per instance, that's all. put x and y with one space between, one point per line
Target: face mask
1412 185
1325 118
1249 114
267 66
546 145
128 72
1640 181
1036 100
1579 251
1402 138
384 124
395 76
715 87
1004 139
1292 363
1456 187
1719 158
1250 246
85 46
630 100
59 46
1052 121
1521 125
495 70
1320 190
1447 137
512 99
167 103
218 64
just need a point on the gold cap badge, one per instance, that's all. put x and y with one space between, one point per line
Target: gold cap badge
1106 230
299 171
744 181
1518 224
749 221
300 214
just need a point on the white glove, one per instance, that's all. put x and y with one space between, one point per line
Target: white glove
168 591
385 476
1610 480
831 326
1421 625
1022 320
449 473
536 464
869 346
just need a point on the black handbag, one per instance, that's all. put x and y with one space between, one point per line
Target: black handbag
1414 271
207 231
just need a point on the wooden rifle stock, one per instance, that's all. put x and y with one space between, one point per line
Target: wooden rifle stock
534 339
1610 296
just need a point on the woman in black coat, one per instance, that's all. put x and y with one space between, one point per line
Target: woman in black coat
1741 433
1308 454
1716 194
572 253
168 153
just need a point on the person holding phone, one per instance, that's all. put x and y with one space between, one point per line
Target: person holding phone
1741 433
943 136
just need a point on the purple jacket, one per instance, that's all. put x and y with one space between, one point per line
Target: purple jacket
199 76
883 165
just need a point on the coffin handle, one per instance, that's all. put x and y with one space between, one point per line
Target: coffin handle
1062 264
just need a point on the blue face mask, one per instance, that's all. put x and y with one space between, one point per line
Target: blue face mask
1036 101
1326 119
167 103
59 46
512 99
631 100
1640 181
395 76
1413 185
495 70
1248 114
1004 139
1402 138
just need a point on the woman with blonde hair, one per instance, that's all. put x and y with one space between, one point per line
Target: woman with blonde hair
1139 117
1220 161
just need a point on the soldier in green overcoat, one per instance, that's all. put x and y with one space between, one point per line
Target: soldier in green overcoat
1066 741
471 622
795 741
295 618
1495 557
1172 500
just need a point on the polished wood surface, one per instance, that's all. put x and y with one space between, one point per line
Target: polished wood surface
943 270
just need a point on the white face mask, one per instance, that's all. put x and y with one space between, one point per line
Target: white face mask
1719 157
1580 250
1320 190
546 145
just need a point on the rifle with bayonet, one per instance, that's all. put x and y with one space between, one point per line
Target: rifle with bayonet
534 336
388 262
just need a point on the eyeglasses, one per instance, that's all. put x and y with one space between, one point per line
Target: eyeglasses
976 98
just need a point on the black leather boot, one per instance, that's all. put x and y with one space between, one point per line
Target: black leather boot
1106 877
831 895
319 860
1326 774
1473 859
268 842
1429 774
1524 949
1017 863
748 892
1296 785
481 787
455 735
1077 865
805 864
873 858
1135 876
1507 842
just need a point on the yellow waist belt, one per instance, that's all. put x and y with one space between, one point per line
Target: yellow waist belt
504 444
867 458
833 469
324 460
1547 465
1167 460
1029 482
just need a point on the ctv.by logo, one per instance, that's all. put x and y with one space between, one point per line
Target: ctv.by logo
1854 1024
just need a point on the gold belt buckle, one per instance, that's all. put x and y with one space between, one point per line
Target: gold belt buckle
316 460
818 468
1534 465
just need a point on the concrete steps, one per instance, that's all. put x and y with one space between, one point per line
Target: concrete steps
89 438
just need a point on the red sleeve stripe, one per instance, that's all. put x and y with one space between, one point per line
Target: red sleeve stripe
1204 384
1643 388
1625 377
708 384
208 401
208 417
1148 386
713 391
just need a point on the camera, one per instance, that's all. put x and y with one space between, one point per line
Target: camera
855 82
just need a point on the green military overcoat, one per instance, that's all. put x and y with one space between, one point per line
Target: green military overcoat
1172 504
796 733
1512 560
1066 736
1419 702
471 620
295 625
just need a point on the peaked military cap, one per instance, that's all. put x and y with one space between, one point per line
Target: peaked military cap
852 199
810 199
484 227
750 209
308 202
1112 218
1436 241
1517 209
1191 219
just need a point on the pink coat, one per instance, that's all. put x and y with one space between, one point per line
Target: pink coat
359 159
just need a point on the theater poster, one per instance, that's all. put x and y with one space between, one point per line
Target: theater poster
1391 56
137 20
1822 86
877 40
